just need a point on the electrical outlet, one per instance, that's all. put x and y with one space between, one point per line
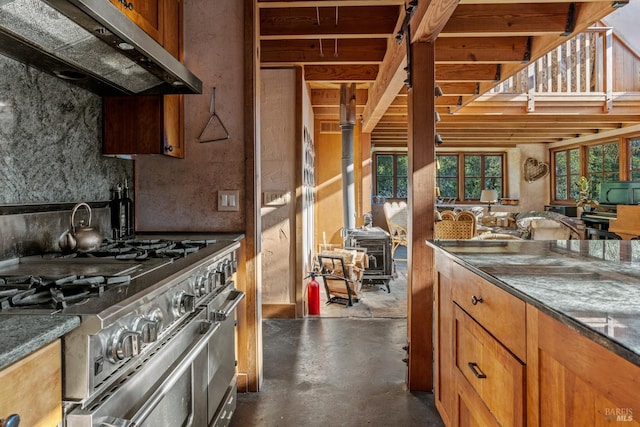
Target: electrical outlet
228 200
275 198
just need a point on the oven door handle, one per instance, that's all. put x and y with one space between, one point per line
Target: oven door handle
221 314
169 382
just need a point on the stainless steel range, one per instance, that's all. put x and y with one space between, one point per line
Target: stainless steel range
156 345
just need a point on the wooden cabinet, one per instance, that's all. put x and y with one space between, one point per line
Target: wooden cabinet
143 125
32 388
480 345
572 381
147 14
494 374
502 362
149 124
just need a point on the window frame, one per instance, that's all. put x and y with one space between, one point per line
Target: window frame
624 165
460 198
395 155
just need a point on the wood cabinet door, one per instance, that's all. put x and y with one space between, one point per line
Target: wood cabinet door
444 384
573 381
32 388
147 14
173 17
493 372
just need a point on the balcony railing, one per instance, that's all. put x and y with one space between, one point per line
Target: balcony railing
582 65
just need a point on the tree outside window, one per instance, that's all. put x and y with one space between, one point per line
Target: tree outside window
474 172
447 176
634 159
482 172
603 165
392 178
567 173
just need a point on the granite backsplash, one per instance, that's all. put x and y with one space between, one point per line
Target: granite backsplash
51 141
50 153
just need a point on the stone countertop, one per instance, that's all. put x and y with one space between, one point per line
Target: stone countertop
592 286
23 334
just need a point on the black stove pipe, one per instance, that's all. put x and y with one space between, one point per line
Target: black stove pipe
347 123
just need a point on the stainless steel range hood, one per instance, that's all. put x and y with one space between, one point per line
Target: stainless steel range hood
93 45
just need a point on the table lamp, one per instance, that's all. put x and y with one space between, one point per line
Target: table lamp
488 196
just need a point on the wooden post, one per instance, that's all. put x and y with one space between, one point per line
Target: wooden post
249 314
421 204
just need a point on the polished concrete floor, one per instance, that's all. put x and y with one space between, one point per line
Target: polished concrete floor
342 368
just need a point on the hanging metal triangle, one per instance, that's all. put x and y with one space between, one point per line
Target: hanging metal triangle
214 130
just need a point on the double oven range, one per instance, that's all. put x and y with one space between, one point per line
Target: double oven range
156 344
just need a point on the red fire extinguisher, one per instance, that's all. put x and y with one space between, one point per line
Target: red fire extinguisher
313 295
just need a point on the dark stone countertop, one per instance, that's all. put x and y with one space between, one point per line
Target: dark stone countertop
23 334
592 286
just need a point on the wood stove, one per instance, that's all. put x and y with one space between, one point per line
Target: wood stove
377 242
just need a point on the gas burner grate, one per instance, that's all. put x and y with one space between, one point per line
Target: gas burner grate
140 249
53 292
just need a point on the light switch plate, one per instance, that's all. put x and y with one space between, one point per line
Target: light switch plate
275 198
228 200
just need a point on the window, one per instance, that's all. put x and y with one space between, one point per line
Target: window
463 176
603 165
392 179
447 179
634 159
567 169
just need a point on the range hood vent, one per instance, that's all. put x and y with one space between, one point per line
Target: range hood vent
93 45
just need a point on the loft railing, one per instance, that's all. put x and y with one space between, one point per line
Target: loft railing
582 65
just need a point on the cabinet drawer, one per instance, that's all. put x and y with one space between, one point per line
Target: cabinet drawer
499 312
494 373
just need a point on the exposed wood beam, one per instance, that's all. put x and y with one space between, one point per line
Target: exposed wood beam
428 21
331 97
481 49
325 3
502 20
539 118
345 73
467 72
318 51
343 22
389 82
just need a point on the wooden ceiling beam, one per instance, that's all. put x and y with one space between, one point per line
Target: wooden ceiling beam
340 22
331 97
467 72
340 73
481 50
500 20
547 119
317 51
325 3
428 20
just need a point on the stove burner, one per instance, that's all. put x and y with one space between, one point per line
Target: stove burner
141 249
53 292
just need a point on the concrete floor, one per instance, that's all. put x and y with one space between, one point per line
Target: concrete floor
343 368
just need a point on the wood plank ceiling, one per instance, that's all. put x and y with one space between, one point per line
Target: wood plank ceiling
479 43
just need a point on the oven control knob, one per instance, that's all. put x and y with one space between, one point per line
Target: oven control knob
184 303
147 329
123 344
201 286
227 269
211 280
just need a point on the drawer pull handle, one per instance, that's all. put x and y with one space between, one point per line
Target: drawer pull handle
475 300
476 370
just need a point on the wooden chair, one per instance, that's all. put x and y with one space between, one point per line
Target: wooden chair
340 288
462 226
396 215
